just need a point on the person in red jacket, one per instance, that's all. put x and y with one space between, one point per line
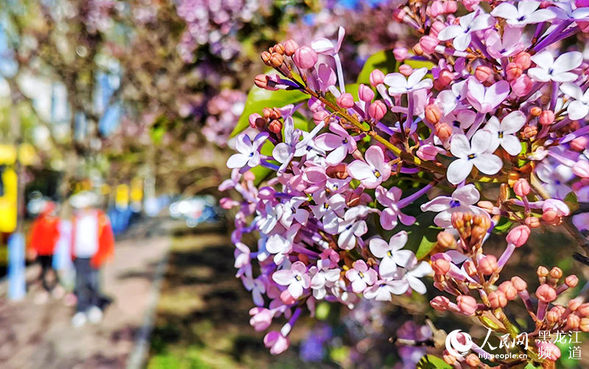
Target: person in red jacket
92 245
44 235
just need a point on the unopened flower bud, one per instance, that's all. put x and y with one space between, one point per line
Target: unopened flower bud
440 303
345 100
443 130
521 187
552 317
571 281
549 350
444 79
261 81
550 216
320 116
436 8
376 77
467 304
573 322
377 110
365 93
583 310
400 53
441 266
436 27
584 324
545 293
519 284
275 126
446 240
276 60
519 235
488 264
497 299
405 70
472 360
417 50
523 59
532 222
542 272
513 71
266 56
556 273
450 7
483 73
522 85
508 289
428 44
470 268
433 113
337 171
290 47
535 111
576 303
287 298
546 118
305 57
579 143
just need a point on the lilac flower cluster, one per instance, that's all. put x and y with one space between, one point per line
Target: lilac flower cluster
486 115
223 110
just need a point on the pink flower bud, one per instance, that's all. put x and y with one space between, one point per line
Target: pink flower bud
305 57
545 293
583 310
483 73
436 8
428 44
580 143
581 168
405 70
433 113
377 110
428 152
398 15
521 86
532 222
287 298
249 176
518 235
450 7
443 130
508 289
549 350
275 126
467 304
513 71
365 93
440 303
253 118
261 318
441 266
227 203
488 264
576 303
276 342
550 216
437 26
443 80
497 299
376 77
320 116
573 322
345 100
523 59
470 4
519 284
521 187
571 281
290 47
400 53
546 117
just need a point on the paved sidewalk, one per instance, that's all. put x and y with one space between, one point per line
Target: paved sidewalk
40 336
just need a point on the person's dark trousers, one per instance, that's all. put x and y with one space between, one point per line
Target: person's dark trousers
87 286
46 262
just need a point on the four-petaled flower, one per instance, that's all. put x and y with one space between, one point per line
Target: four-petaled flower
472 154
486 99
399 85
548 69
390 253
296 278
249 151
504 133
361 276
462 200
340 143
389 215
461 33
527 12
373 171
579 108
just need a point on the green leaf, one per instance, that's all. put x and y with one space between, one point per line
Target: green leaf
383 60
260 173
572 202
302 123
503 225
432 362
258 99
425 240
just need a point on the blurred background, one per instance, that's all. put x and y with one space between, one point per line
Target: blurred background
124 109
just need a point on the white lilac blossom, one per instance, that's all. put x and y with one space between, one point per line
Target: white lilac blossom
461 33
472 154
504 133
399 85
559 70
525 13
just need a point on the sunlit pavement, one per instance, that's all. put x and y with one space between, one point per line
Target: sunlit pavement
41 336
